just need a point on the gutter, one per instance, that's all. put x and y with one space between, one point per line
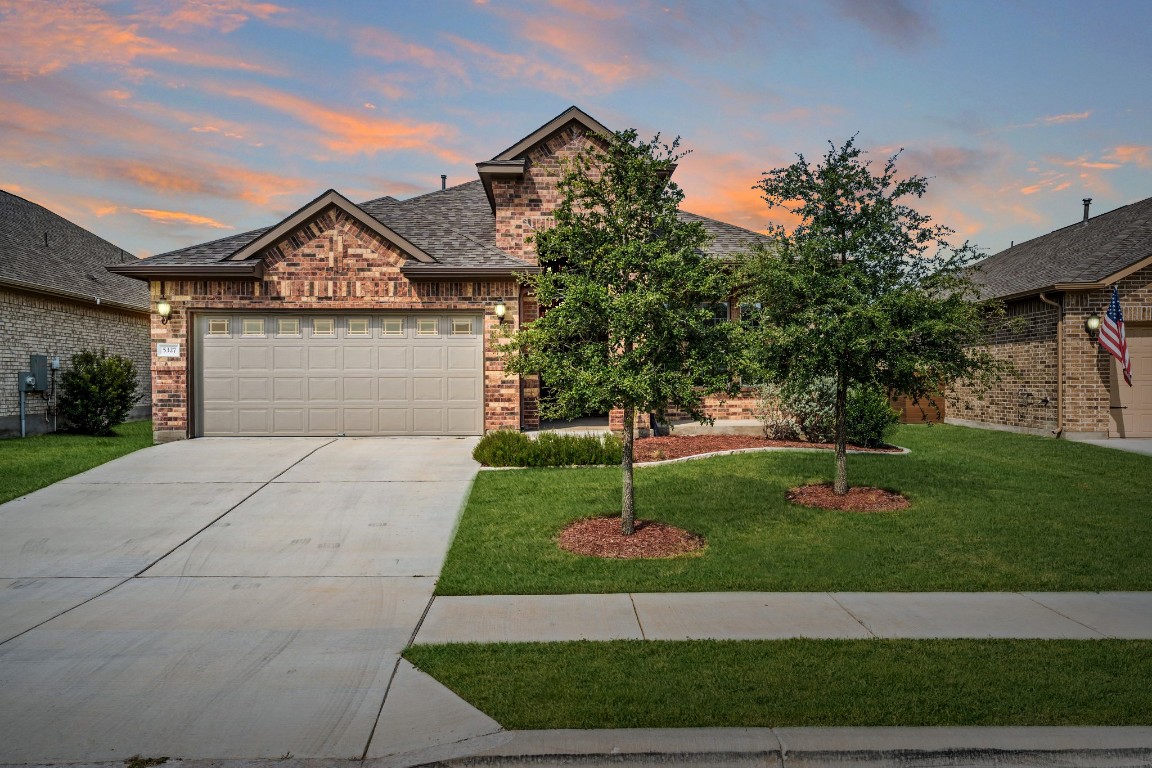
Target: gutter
237 270
87 298
1059 361
434 273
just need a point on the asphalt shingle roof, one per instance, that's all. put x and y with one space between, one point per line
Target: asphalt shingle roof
71 262
454 226
1079 253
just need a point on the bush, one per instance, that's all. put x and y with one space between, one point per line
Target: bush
870 418
506 448
97 392
808 411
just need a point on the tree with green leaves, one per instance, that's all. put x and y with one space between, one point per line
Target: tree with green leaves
625 291
863 289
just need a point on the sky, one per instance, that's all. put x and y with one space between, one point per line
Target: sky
159 124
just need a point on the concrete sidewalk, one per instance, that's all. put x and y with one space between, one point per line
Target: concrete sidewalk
779 615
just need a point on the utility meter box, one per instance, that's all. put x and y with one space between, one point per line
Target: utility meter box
38 366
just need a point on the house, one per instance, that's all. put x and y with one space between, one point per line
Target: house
381 318
1066 384
56 299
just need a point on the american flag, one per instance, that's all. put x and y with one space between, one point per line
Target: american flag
1112 335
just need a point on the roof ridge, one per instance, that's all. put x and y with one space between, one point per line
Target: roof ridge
721 221
436 192
69 222
254 232
1124 235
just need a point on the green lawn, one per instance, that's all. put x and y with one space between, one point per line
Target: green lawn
990 511
638 684
33 462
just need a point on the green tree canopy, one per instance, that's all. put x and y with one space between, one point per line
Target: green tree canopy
864 289
625 291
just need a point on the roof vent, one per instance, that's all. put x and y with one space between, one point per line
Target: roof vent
443 182
1087 203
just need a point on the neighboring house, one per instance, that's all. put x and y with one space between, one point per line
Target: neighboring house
1066 384
56 299
373 319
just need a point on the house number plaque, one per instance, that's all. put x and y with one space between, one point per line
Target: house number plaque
167 350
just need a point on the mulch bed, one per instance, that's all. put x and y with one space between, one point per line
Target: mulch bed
601 537
858 498
678 446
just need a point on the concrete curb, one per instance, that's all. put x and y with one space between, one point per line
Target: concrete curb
732 452
1069 747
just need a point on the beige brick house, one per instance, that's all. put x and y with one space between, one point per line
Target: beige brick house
382 318
1066 384
56 299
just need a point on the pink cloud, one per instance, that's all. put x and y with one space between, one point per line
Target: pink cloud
1140 156
1070 117
515 66
40 40
178 217
348 133
222 15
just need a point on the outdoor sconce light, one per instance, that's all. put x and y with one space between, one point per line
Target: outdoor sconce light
164 309
500 310
1092 324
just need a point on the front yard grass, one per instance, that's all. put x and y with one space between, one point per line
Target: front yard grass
645 684
991 511
31 463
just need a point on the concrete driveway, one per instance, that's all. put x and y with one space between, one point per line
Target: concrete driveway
230 598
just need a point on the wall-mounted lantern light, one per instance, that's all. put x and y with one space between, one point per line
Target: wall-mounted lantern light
501 310
1092 324
164 309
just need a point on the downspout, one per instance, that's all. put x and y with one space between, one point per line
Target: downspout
1059 361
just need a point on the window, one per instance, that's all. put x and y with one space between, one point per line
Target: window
427 327
750 315
218 326
323 326
719 312
359 326
461 326
252 326
287 326
393 326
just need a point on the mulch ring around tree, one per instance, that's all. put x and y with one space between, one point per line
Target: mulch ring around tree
678 446
601 537
858 498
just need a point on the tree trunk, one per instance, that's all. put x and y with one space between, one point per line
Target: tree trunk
840 487
628 506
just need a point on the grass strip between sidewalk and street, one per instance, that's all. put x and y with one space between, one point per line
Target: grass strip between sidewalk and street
990 511
31 463
655 684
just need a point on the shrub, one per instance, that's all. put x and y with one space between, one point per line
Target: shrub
870 417
97 392
808 411
506 448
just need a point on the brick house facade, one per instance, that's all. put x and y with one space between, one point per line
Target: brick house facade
409 274
1064 383
57 299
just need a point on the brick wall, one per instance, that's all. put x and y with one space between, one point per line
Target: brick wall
39 324
1027 339
524 205
331 263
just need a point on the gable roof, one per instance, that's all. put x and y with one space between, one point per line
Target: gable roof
546 131
43 252
1077 257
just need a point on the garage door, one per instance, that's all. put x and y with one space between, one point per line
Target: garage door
1131 406
339 374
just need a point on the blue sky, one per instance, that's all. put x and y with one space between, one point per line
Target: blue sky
165 123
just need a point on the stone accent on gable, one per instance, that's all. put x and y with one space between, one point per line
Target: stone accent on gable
330 263
1026 400
32 323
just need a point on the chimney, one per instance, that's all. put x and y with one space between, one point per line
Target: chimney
444 186
1087 202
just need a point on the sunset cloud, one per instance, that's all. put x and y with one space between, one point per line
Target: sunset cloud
348 133
221 15
895 22
178 217
515 66
41 40
1070 117
1137 155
